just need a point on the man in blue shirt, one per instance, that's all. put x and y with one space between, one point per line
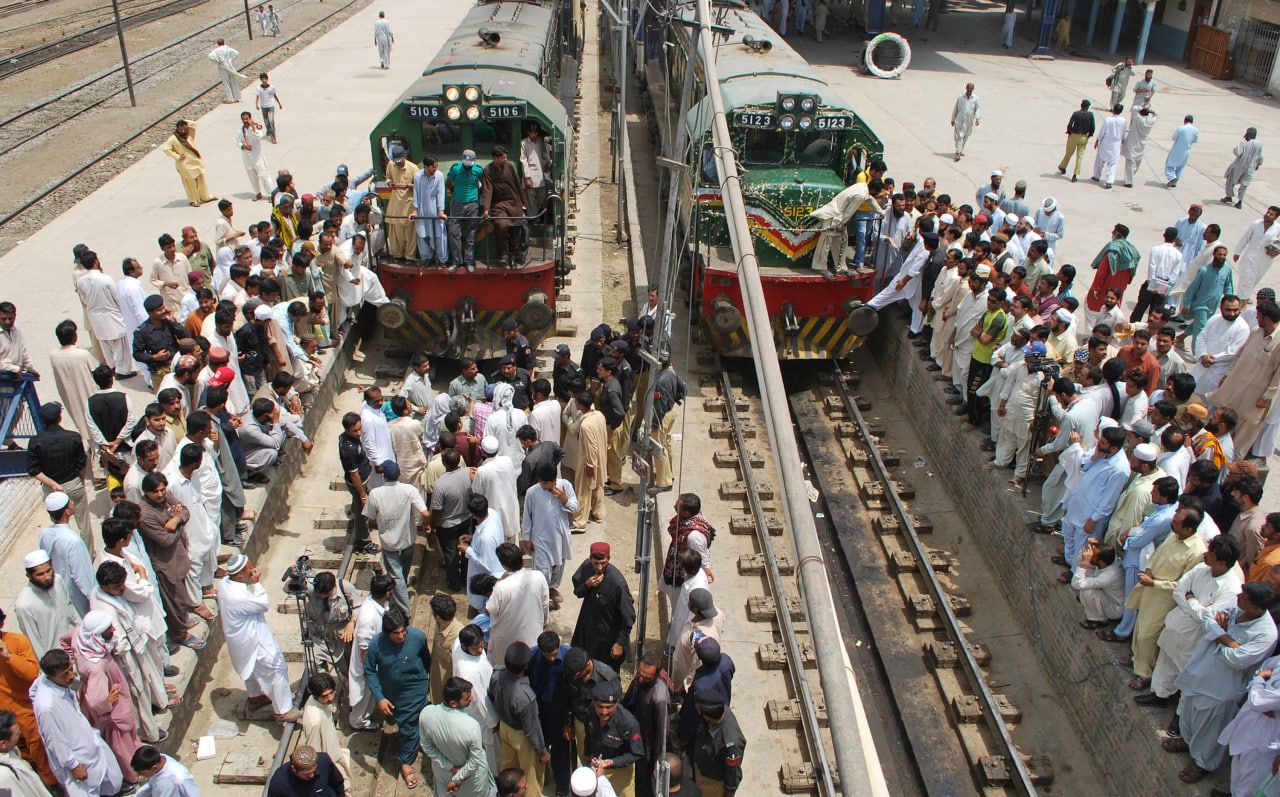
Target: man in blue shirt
464 210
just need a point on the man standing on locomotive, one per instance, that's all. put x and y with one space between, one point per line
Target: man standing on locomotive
464 181
401 241
502 200
429 212
535 159
832 221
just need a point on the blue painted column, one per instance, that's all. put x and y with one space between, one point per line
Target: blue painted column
1146 32
1115 28
1093 22
1044 42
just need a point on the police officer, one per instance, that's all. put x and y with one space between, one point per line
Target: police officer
583 675
614 743
593 352
567 377
517 344
619 350
717 751
519 726
515 376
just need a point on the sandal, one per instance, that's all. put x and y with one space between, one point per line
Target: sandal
1191 774
410 779
249 514
1125 661
194 642
1091 625
1110 636
1138 683
1174 745
1065 578
174 702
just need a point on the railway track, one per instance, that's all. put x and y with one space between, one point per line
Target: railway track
928 662
20 62
37 120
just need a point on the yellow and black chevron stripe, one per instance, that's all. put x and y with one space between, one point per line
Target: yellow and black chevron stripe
819 338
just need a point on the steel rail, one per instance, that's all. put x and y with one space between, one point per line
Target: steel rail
1020 776
62 181
795 667
852 747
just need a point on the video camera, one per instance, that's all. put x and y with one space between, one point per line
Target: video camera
1037 364
297 579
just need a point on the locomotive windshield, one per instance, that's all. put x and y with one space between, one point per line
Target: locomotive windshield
803 147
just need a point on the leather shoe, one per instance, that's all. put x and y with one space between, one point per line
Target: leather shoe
1150 699
933 367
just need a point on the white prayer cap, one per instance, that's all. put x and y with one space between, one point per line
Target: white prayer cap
1063 315
489 444
1011 219
95 622
56 502
997 173
1050 204
236 563
1009 294
946 218
991 195
1145 452
1106 422
583 782
982 272
35 559
262 312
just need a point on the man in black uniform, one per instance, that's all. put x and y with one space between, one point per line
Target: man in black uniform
356 471
593 351
517 344
619 350
582 675
567 376
717 751
614 743
515 376
519 726
614 406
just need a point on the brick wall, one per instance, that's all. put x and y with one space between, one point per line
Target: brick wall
1122 736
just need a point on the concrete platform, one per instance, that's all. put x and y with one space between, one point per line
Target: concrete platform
333 94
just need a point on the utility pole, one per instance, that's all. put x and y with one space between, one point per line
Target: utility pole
248 23
124 53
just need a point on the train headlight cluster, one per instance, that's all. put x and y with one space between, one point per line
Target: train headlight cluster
473 112
796 111
787 121
471 93
806 122
453 112
452 93
787 103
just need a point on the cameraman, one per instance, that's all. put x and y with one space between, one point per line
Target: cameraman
329 615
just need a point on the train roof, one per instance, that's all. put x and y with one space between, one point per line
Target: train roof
741 68
513 68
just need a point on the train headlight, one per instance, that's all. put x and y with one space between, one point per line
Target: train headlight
453 112
806 122
452 93
787 122
473 112
788 103
807 104
472 93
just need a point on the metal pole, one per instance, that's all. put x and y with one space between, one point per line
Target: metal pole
846 738
624 148
248 23
124 54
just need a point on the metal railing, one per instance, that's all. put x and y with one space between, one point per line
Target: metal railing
17 393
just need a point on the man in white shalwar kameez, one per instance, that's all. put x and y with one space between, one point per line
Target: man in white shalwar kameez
907 285
1135 141
368 625
1108 145
965 115
43 608
138 651
1257 248
1253 737
224 56
1248 159
383 38
243 603
17 778
973 303
72 369
81 761
471 662
1077 425
1014 407
1214 680
1088 508
166 776
429 210
375 435
1206 589
1215 350
188 483
545 527
695 577
254 156
453 742
131 295
98 293
519 607
481 550
495 479
832 222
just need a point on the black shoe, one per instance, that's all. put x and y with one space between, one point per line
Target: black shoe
1073 178
1175 728
933 367
656 490
612 490
1061 170
988 445
1239 205
926 356
237 541
171 671
1150 699
369 547
950 390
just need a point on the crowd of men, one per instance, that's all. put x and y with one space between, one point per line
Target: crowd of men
491 471
1149 423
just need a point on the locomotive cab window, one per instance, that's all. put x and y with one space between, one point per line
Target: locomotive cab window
487 132
443 140
814 148
389 141
765 146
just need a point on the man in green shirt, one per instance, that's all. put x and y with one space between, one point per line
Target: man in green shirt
464 181
988 332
